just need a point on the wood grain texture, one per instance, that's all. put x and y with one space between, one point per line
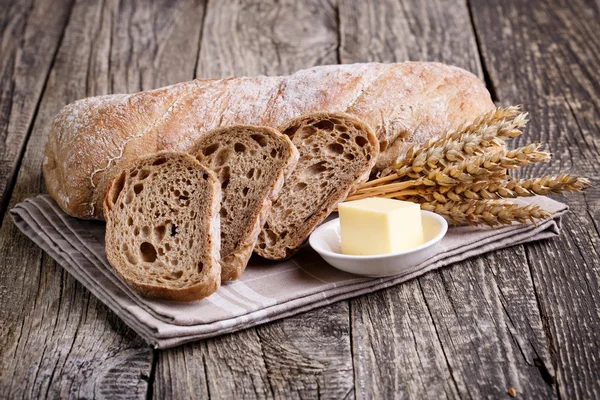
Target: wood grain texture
306 356
28 43
474 331
56 339
548 60
270 37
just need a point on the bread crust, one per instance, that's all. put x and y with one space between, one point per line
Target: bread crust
405 104
234 263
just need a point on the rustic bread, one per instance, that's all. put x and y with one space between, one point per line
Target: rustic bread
162 227
337 153
405 104
251 163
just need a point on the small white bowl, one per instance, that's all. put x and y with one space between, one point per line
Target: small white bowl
325 240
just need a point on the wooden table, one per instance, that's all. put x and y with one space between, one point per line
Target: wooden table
526 318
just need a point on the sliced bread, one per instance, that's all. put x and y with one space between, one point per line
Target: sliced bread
251 163
337 153
162 227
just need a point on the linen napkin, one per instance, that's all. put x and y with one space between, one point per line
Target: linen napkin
266 291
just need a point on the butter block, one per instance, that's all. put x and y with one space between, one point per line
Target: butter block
379 226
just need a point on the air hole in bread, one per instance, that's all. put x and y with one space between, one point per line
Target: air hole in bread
117 188
161 251
274 153
307 131
129 221
159 161
271 236
250 173
342 128
361 141
159 233
205 176
345 136
148 252
223 212
144 173
131 257
136 231
260 139
138 187
167 247
383 144
245 191
316 168
200 266
211 149
225 176
335 148
324 124
368 157
177 274
289 131
222 157
174 262
133 173
146 231
239 148
299 186
349 156
283 234
173 230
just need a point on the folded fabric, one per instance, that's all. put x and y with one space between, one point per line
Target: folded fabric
267 290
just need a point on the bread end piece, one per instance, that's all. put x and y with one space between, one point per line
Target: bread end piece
163 227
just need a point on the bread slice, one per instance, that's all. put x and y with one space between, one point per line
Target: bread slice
251 163
337 153
162 227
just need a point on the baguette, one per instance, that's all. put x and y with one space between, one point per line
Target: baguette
251 163
162 227
337 153
405 104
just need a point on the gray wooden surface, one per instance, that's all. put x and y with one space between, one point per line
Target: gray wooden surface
526 318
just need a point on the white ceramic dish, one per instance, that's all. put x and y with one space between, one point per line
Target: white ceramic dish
325 240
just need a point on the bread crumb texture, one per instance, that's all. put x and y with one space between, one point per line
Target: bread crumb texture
160 224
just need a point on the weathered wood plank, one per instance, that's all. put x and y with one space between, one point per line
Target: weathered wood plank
546 56
304 356
30 32
470 330
267 37
56 339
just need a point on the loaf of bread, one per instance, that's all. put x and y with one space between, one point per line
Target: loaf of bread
404 103
251 163
162 227
337 153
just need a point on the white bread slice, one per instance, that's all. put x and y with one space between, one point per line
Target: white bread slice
251 163
162 227
337 153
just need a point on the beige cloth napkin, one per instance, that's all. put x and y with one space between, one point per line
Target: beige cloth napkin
267 290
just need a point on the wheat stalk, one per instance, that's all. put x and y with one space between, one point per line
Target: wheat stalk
486 212
485 133
462 175
486 190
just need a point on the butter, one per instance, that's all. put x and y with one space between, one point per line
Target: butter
379 226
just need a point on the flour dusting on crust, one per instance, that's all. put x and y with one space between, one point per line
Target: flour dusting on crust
405 104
